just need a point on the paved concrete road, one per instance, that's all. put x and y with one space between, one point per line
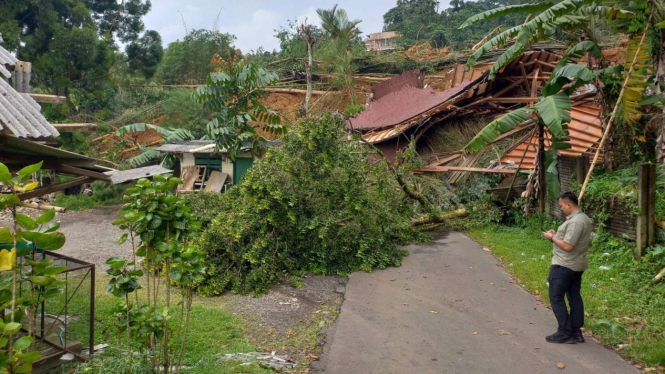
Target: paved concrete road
453 289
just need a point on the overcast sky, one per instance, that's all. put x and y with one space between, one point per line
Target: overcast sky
253 21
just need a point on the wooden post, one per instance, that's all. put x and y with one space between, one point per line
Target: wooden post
542 173
651 212
21 76
646 197
581 168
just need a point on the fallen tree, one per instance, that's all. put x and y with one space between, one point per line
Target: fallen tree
320 203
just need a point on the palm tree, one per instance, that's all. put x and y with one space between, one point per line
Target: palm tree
149 154
336 23
338 54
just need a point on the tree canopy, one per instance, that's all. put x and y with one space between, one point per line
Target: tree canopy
419 21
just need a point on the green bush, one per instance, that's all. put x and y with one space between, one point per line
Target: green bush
103 194
205 205
316 204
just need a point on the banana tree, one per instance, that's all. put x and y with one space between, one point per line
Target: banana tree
149 154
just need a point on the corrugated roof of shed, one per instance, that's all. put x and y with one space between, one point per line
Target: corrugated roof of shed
21 115
6 59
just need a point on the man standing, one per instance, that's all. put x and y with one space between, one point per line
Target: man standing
569 260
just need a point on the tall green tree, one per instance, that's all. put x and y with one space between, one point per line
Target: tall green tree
62 37
145 54
189 61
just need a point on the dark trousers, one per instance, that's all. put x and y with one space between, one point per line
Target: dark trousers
566 282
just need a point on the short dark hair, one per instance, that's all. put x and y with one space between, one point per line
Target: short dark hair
570 197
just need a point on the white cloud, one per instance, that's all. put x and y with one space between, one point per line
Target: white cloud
256 32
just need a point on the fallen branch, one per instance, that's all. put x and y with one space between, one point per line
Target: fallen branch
659 276
436 219
42 206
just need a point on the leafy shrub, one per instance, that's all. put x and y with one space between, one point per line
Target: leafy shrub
205 205
103 194
316 204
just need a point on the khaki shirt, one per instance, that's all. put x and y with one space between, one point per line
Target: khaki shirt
576 231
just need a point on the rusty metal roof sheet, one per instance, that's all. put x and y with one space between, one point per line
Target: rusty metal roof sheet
406 104
584 130
21 115
6 59
413 78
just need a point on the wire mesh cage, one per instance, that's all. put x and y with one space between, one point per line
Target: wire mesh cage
64 325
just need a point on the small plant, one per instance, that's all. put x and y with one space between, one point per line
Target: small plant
24 238
161 228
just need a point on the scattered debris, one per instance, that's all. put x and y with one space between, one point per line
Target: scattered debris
268 359
560 365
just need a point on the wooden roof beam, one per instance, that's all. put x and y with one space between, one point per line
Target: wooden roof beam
48 99
54 188
74 127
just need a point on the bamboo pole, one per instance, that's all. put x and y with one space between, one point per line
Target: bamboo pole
42 206
616 108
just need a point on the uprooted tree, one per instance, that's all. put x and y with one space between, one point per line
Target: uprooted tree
320 203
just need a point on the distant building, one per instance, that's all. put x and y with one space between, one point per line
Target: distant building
381 41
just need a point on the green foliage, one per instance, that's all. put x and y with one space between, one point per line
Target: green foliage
161 228
341 45
145 54
354 109
205 206
189 61
23 241
233 95
103 194
314 204
70 42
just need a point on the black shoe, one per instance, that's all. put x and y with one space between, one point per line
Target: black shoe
579 338
560 338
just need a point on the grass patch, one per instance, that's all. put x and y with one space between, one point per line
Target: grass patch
622 304
213 331
103 194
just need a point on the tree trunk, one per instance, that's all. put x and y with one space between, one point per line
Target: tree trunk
308 71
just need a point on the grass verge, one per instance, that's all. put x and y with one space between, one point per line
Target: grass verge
213 331
624 308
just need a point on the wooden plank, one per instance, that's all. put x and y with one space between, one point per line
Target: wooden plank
643 205
434 169
54 188
216 181
581 167
534 87
189 176
526 85
48 99
73 127
651 208
82 172
542 174
511 99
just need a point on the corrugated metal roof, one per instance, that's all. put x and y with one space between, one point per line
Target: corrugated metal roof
187 146
402 106
123 176
6 59
585 130
21 115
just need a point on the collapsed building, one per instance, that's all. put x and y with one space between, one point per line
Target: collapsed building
405 110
